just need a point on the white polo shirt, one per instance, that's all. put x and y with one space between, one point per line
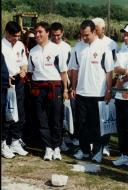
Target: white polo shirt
91 75
15 56
124 46
42 62
65 48
110 43
122 61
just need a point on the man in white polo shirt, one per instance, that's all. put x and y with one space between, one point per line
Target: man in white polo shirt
121 100
49 86
124 45
112 45
91 79
16 60
57 33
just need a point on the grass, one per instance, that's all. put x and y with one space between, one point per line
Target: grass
33 167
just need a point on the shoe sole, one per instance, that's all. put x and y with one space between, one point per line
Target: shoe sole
78 158
84 157
8 157
96 162
106 155
57 159
19 153
46 159
119 164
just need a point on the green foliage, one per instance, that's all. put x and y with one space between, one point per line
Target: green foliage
82 10
72 8
45 6
122 3
6 16
71 24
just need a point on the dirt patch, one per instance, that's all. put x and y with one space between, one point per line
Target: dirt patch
33 173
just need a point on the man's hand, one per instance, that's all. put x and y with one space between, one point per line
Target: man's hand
10 81
125 95
22 73
108 96
65 95
73 94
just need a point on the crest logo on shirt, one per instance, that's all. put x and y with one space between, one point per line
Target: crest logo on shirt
48 58
95 55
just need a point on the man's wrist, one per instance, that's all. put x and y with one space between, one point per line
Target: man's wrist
126 71
108 90
65 90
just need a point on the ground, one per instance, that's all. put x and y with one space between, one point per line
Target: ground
33 173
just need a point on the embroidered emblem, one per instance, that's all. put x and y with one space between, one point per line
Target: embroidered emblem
48 58
95 55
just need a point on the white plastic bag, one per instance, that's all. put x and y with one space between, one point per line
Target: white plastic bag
11 106
86 167
107 114
68 117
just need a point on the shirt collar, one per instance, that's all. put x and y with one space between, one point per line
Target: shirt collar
7 42
43 47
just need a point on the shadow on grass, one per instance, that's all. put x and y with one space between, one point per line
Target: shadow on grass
116 174
119 174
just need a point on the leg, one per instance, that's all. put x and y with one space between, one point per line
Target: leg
56 118
81 122
42 117
18 127
122 124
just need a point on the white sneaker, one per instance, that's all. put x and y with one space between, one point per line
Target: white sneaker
5 151
64 147
80 155
98 156
56 154
17 148
48 154
122 160
106 151
22 142
75 142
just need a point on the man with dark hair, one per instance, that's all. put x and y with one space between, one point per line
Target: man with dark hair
91 82
48 69
57 34
121 100
16 61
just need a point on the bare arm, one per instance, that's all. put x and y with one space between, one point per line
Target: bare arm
74 78
109 86
65 82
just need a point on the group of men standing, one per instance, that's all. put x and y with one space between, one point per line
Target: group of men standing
51 65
